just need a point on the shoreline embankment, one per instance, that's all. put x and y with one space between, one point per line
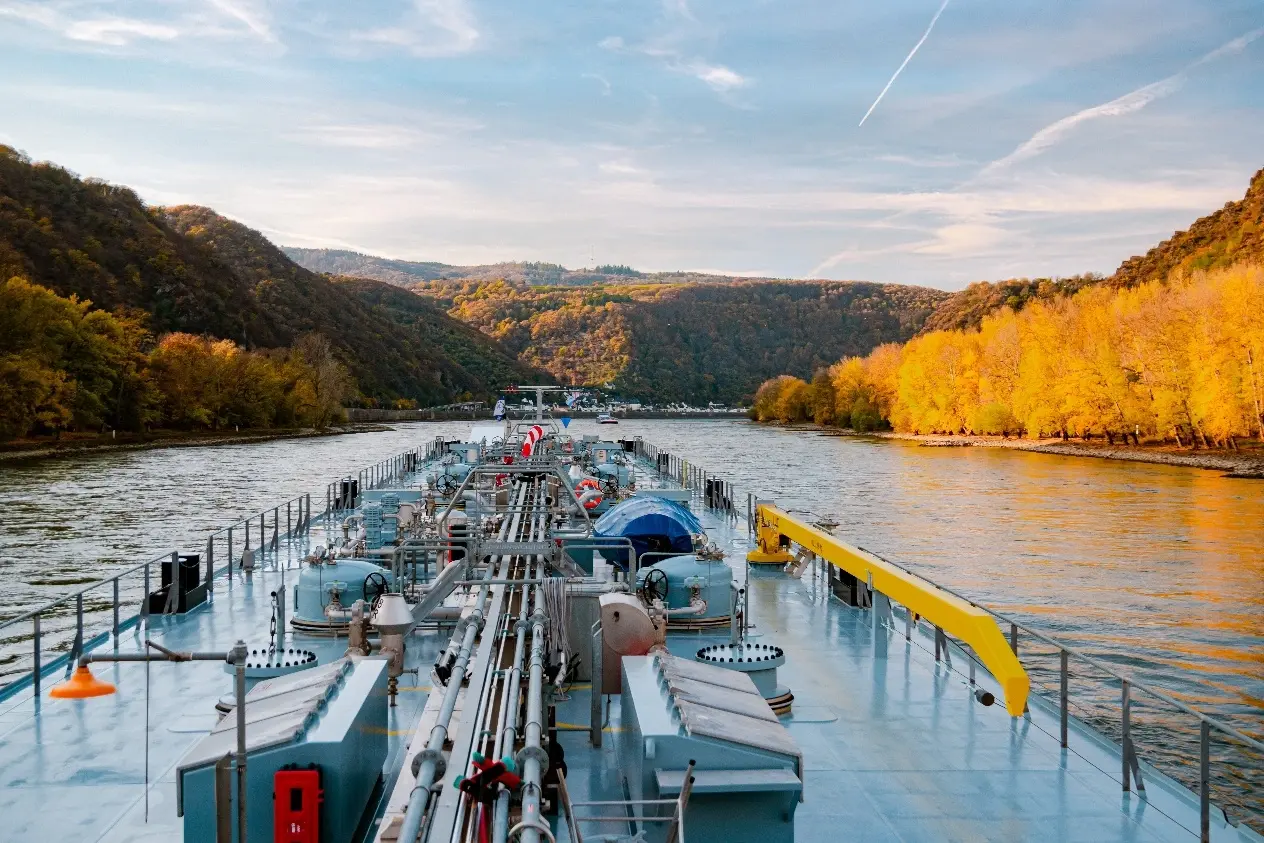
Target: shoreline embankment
1245 463
69 446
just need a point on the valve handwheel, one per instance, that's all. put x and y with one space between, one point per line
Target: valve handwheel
654 586
375 584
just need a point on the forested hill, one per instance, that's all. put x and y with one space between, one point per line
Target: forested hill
686 342
408 273
388 357
194 271
1232 235
656 336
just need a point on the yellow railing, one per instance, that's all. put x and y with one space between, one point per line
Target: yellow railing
956 617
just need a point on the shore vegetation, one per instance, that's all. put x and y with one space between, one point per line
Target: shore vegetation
1180 360
66 365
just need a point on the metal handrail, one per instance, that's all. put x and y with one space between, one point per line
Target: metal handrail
1133 683
82 639
118 575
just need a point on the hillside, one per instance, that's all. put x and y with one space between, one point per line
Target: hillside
966 308
686 342
657 336
408 273
386 356
1232 235
461 344
194 271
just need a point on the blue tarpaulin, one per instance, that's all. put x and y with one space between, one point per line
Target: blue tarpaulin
652 524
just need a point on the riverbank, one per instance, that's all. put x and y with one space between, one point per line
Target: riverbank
79 444
1245 463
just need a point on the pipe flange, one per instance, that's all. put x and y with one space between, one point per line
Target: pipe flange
528 752
441 764
521 626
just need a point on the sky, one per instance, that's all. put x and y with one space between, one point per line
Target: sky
933 142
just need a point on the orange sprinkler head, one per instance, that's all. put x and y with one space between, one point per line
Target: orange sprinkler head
81 686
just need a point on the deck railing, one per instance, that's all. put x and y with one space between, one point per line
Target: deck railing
1038 651
51 636
344 493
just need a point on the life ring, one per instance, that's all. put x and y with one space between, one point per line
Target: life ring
582 486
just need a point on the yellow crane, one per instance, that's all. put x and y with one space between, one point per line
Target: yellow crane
775 529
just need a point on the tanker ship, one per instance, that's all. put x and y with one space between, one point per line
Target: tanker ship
530 635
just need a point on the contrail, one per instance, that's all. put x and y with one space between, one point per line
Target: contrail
907 58
1120 106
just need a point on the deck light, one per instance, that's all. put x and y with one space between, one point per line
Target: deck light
81 685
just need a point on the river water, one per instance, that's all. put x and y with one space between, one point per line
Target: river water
1158 571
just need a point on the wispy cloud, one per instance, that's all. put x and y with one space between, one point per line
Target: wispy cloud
380 136
118 32
1129 103
432 29
904 63
96 21
252 15
717 77
108 30
31 13
605 83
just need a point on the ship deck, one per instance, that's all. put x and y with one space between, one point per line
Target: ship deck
75 769
895 746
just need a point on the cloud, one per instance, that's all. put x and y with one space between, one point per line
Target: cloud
360 136
1129 103
246 12
31 13
678 9
118 32
904 63
717 76
960 239
91 21
605 83
433 29
112 31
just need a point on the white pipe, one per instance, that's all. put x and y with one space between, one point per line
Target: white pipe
696 607
419 799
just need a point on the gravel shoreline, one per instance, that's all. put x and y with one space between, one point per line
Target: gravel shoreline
1249 464
91 446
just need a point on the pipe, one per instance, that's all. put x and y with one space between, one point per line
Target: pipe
507 735
419 798
238 655
696 607
429 758
534 754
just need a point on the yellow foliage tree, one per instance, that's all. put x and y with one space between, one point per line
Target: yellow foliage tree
1182 359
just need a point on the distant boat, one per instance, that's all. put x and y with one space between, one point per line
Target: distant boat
606 418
